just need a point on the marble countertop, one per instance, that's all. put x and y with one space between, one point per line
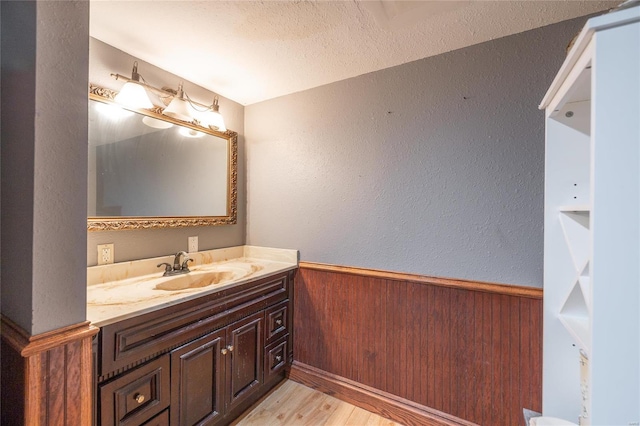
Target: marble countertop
123 290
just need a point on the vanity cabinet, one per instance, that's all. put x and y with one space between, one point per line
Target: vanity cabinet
206 360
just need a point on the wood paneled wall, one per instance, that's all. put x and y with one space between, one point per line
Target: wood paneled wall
47 379
472 350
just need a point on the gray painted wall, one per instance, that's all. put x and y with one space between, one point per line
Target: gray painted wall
44 164
433 167
139 244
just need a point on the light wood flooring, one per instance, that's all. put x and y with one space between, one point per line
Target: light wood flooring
294 404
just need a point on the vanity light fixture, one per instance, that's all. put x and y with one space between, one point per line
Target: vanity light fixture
133 94
179 105
179 108
212 117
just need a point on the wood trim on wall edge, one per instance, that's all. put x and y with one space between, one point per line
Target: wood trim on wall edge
376 401
487 287
35 352
28 345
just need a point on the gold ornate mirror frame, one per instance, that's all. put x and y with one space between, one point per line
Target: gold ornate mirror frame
110 223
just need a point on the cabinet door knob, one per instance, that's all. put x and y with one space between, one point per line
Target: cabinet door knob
223 351
279 321
230 347
139 398
278 358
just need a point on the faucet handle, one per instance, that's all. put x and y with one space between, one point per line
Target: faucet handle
185 263
167 267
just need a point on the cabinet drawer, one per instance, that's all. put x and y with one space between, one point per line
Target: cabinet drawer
277 321
275 358
137 396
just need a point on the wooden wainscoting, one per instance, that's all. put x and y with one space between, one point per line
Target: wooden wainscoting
438 348
47 378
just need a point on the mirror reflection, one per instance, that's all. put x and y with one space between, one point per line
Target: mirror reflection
142 167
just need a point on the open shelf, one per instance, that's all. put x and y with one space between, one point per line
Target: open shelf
574 315
575 226
576 115
585 285
575 208
575 109
577 90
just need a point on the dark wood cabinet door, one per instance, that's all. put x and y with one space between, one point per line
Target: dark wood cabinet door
245 368
197 380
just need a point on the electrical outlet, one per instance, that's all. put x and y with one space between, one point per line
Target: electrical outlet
193 244
105 254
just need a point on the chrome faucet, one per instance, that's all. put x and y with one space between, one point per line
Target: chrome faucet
178 267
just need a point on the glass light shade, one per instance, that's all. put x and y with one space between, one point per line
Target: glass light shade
132 95
212 119
155 123
179 109
190 133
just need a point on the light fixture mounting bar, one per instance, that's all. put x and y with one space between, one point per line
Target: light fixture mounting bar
145 85
161 92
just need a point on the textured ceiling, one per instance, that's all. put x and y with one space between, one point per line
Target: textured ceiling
250 51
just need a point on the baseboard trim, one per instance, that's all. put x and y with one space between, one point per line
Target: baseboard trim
376 401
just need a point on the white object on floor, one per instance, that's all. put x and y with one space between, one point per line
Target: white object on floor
549 421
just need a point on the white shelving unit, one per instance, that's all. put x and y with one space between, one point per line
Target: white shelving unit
592 227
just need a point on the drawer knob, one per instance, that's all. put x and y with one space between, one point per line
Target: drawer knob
279 321
278 358
139 398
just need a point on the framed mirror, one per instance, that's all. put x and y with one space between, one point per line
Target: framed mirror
147 170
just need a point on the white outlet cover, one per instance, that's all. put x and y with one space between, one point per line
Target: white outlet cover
105 254
193 245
